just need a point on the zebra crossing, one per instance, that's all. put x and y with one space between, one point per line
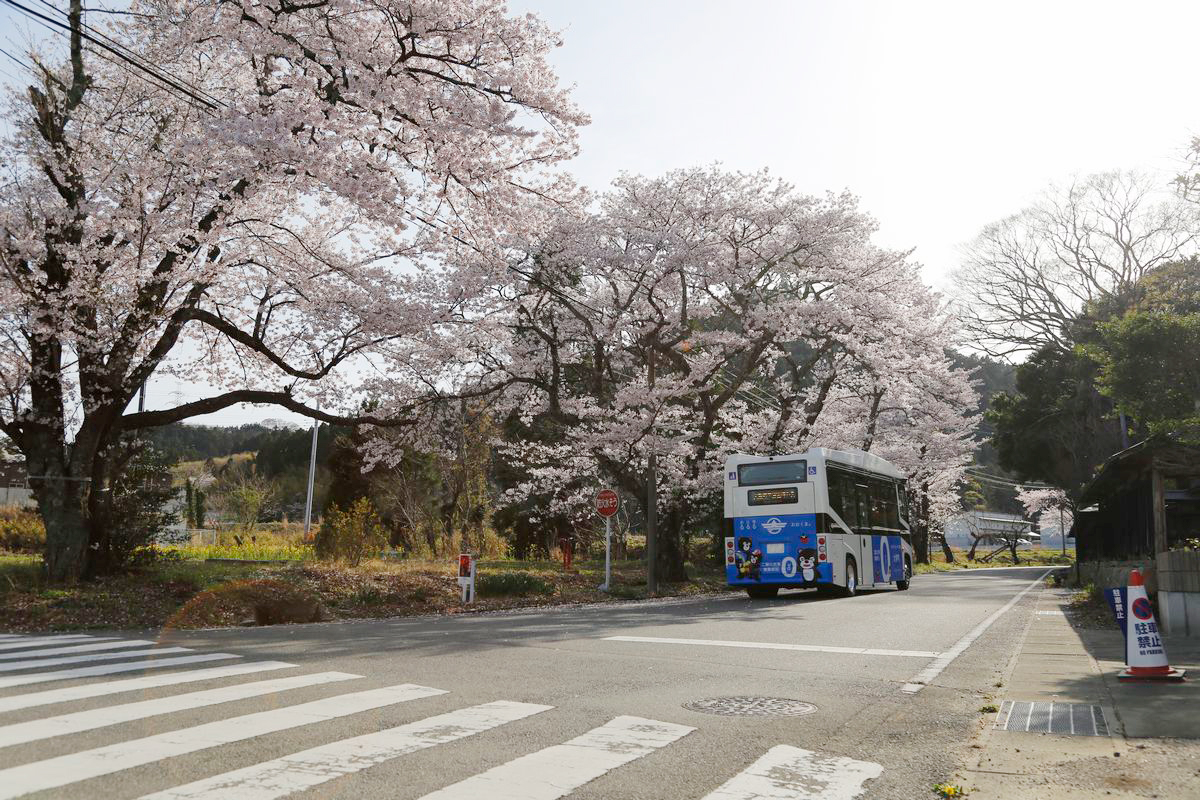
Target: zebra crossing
557 770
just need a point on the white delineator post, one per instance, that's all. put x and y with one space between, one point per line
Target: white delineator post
466 577
1145 655
607 503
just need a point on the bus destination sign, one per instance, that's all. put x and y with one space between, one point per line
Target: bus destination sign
772 497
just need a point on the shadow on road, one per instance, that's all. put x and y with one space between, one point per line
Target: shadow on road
434 635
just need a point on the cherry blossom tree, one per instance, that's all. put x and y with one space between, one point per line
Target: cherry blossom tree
708 312
1048 506
298 203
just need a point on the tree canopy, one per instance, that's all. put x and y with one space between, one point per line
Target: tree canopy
297 204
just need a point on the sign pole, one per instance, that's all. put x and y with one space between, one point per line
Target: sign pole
607 554
607 503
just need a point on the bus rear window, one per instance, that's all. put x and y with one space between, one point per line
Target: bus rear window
766 473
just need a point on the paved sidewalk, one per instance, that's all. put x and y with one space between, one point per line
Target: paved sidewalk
1152 745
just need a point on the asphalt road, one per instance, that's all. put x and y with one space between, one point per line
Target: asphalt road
558 674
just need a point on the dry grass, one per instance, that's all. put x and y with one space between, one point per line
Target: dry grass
1029 558
200 594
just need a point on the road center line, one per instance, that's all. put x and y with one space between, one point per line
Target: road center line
808 648
935 667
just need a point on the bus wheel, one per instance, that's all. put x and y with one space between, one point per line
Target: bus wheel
904 584
851 587
762 592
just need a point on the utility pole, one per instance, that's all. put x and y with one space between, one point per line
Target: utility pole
1062 531
651 498
312 471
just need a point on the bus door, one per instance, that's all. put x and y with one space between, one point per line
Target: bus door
862 527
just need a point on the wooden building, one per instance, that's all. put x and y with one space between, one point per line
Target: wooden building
1144 501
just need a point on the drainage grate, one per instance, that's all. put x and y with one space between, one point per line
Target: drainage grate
1077 719
751 707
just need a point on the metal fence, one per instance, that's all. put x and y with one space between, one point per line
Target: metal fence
18 496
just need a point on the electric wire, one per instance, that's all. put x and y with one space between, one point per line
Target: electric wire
132 60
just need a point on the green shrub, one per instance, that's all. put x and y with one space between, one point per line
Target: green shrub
511 584
351 535
152 554
21 531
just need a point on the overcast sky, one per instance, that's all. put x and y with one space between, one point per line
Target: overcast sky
940 116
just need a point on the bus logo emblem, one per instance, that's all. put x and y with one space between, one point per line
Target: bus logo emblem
774 525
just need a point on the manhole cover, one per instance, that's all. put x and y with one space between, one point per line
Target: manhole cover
751 707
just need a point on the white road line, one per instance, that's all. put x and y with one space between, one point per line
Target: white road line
935 667
51 696
808 648
34 642
78 648
299 771
75 767
563 768
37 663
64 724
108 669
789 773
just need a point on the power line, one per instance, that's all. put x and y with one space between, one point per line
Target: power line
978 474
142 62
131 59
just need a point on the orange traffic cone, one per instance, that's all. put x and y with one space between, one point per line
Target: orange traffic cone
1145 656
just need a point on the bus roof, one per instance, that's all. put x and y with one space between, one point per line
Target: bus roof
851 458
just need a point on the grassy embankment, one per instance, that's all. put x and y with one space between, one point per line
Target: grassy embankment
1029 558
194 593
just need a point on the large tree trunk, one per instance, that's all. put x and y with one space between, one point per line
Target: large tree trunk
671 554
946 551
921 529
974 545
60 498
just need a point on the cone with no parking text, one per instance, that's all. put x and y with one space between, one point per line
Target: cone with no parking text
1145 655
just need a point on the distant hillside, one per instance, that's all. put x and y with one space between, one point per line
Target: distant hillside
992 377
181 442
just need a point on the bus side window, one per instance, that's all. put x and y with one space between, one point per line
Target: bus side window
863 493
884 510
878 504
833 480
893 505
902 489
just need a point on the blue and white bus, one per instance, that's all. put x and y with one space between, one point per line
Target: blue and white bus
825 519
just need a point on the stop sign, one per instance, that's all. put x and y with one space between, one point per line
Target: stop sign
607 502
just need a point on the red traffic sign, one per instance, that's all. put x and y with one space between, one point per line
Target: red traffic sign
607 502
